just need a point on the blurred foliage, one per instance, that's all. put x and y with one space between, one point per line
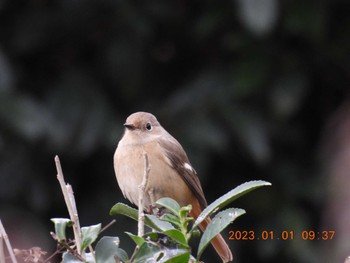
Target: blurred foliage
246 86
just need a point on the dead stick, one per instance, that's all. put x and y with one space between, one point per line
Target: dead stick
70 203
141 203
2 255
107 226
4 236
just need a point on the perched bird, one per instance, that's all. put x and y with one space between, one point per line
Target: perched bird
171 174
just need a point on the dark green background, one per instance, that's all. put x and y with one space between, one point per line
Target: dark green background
247 87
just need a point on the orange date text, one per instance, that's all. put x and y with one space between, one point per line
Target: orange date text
250 235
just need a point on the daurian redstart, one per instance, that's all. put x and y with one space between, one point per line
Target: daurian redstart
171 174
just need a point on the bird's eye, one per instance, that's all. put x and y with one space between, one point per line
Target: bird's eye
149 126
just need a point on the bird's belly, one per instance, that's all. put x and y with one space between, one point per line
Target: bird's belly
163 181
129 173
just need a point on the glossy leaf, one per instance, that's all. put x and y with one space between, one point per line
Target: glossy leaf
171 219
60 227
107 248
169 204
218 224
148 252
177 235
182 258
89 234
150 220
67 257
138 240
161 225
229 198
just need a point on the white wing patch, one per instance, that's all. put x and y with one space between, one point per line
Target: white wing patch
188 167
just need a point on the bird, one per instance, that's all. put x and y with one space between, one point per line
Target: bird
170 175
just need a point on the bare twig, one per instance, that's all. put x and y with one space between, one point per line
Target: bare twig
151 195
141 203
4 237
2 254
64 245
52 256
92 252
70 203
107 226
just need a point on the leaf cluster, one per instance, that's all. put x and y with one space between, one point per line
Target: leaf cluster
168 242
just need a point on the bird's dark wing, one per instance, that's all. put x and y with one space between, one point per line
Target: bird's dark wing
179 161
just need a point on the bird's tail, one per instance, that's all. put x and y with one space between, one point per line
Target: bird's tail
218 243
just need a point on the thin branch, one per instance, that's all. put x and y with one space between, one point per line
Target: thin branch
52 256
108 225
151 195
141 203
92 252
60 248
4 236
2 254
70 203
65 245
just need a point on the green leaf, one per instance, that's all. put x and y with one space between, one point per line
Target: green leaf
182 258
155 221
150 220
185 210
218 224
89 234
148 252
169 204
171 219
177 235
229 198
67 257
108 247
89 258
165 241
154 252
60 227
123 209
154 236
138 240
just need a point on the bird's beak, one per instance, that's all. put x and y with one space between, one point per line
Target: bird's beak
129 126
